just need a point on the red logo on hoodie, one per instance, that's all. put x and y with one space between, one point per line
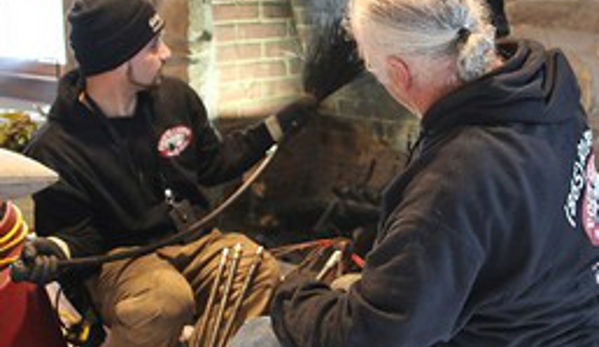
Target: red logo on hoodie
174 141
590 202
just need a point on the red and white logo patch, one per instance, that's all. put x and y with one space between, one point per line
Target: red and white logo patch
590 203
174 141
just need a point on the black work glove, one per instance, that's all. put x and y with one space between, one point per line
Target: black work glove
38 262
291 118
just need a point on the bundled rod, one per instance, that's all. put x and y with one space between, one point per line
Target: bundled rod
331 262
203 328
226 294
249 277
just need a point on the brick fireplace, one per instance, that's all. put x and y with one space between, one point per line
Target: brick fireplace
245 59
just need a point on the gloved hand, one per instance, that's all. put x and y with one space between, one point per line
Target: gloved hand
38 262
320 265
291 118
345 282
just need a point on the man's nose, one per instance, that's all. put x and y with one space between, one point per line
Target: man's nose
165 52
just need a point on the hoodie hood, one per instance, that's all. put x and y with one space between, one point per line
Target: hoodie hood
64 108
533 86
67 108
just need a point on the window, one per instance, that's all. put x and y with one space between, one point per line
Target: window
32 48
32 30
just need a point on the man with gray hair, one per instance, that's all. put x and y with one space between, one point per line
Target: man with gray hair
489 237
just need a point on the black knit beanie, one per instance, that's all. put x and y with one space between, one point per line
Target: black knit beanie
107 33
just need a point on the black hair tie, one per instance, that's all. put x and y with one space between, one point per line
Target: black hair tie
463 35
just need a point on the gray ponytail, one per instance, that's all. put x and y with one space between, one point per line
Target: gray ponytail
476 47
439 31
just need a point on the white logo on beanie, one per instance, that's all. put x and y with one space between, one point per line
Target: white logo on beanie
156 23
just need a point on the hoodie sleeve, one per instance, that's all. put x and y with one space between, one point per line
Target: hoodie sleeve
414 288
63 210
221 159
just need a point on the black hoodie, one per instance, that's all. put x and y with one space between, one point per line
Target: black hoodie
486 240
114 173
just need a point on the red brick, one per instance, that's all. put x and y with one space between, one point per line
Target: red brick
263 107
176 16
262 30
227 73
289 87
227 110
282 49
225 33
235 12
301 16
262 70
179 70
274 10
304 32
242 72
295 66
236 92
238 52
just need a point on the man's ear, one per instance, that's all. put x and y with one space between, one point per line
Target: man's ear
399 72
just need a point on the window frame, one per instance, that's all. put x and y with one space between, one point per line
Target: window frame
29 79
34 80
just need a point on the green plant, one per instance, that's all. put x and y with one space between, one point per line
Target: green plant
16 130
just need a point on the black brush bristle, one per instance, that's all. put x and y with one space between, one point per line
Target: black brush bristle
331 62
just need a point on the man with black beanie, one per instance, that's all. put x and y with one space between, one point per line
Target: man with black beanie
131 148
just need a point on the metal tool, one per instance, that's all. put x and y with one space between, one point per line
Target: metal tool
199 331
226 294
249 277
331 262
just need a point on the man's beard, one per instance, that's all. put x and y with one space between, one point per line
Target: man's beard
155 82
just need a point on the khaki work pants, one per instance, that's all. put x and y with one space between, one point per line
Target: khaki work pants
146 301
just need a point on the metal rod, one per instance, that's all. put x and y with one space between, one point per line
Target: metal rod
331 262
193 232
242 293
199 330
325 215
226 293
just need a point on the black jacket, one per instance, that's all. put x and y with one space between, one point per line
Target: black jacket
483 240
114 173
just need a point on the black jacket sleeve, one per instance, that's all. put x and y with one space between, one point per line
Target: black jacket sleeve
414 287
221 159
308 313
62 212
63 209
